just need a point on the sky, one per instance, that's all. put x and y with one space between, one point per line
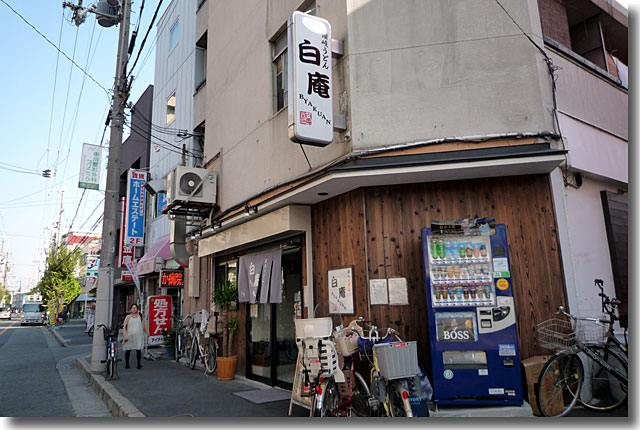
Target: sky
42 131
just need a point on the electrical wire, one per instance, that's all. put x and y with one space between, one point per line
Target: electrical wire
66 100
142 133
56 47
155 14
77 209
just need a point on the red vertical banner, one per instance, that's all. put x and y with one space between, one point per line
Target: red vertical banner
159 313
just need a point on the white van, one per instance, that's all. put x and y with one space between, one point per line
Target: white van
34 313
5 313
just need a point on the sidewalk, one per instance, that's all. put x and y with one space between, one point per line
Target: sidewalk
164 388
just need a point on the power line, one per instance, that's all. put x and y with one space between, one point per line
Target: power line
155 14
66 99
77 209
56 47
53 97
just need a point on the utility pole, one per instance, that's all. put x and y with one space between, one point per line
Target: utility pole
104 299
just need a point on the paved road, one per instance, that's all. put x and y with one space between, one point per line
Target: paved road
39 377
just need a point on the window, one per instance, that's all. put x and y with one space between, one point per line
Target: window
201 62
171 108
280 70
281 66
173 36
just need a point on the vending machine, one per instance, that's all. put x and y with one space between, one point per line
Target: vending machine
472 321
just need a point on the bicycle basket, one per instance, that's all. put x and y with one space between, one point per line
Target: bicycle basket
108 332
397 359
593 332
556 334
347 345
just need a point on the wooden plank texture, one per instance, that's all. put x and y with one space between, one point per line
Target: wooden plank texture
394 216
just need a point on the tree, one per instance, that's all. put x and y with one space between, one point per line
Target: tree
58 280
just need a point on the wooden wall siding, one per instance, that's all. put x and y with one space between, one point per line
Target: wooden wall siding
394 216
339 240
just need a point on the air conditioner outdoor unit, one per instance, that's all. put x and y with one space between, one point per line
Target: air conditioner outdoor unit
191 184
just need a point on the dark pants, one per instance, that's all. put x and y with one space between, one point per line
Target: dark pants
127 354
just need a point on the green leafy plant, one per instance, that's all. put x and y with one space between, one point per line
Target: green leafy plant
224 295
169 336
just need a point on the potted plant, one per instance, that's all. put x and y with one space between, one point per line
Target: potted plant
224 296
169 336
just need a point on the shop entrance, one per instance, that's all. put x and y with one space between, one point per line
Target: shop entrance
271 339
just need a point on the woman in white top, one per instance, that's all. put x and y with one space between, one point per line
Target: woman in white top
134 335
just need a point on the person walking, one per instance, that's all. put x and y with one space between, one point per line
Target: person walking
134 332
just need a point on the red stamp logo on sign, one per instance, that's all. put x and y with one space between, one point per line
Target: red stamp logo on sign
305 118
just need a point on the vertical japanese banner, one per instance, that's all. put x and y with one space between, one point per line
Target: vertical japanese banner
126 252
90 166
134 218
159 311
310 81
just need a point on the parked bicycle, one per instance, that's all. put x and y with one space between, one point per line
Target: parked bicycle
321 371
394 370
183 337
562 380
610 308
112 359
204 346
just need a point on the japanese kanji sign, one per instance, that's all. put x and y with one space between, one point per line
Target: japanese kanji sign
159 308
90 166
340 290
310 100
134 218
172 278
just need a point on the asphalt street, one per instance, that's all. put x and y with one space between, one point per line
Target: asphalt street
40 377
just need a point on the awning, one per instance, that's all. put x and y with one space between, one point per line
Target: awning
83 297
158 252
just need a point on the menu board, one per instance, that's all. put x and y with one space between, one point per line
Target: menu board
460 270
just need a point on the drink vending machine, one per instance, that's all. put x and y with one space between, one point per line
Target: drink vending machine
472 322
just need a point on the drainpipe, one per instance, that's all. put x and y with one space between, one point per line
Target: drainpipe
178 241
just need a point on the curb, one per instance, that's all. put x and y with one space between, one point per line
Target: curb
57 336
118 404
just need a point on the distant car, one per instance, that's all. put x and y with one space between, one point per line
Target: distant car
5 313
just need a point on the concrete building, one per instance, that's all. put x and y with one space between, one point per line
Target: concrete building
173 139
89 245
451 112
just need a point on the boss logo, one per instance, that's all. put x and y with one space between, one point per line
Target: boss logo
455 335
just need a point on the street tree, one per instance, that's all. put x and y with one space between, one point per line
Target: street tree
59 279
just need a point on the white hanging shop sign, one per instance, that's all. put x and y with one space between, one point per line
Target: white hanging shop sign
310 82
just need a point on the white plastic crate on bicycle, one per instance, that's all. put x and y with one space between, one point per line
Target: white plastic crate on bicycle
313 336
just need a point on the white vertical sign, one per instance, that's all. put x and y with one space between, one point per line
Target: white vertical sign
90 166
310 82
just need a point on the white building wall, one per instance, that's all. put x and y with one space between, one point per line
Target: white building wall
174 71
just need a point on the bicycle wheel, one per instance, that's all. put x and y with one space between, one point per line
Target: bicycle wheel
399 405
559 384
210 355
360 406
601 391
186 346
194 353
178 346
329 399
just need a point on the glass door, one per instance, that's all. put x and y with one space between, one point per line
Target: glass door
271 346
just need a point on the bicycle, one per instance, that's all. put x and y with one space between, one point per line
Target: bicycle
609 307
391 384
112 351
320 365
562 377
183 337
206 350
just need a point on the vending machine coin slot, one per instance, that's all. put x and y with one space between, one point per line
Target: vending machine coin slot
500 313
507 361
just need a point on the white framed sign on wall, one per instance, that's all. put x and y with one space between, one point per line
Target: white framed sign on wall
341 290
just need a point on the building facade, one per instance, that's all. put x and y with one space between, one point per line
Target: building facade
451 112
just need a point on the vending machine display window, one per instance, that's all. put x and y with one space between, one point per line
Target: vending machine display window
456 327
460 269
